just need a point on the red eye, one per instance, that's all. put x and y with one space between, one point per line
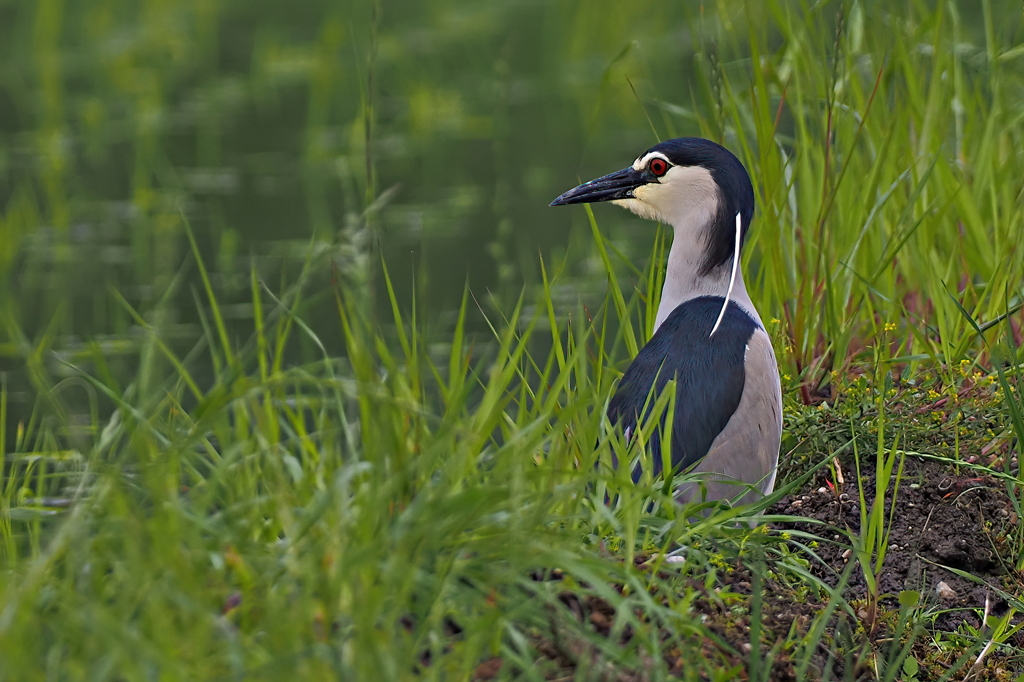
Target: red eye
658 166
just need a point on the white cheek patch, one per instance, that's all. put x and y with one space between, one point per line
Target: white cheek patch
639 206
686 192
685 195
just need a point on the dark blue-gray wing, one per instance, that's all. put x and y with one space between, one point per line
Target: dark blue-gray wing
709 374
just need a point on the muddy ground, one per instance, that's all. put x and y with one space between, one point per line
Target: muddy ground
946 516
943 518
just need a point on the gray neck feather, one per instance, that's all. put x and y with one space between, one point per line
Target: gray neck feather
684 279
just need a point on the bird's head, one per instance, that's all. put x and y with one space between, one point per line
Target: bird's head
689 183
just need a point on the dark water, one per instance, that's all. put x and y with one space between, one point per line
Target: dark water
122 121
270 127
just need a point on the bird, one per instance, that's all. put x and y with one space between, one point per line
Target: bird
708 337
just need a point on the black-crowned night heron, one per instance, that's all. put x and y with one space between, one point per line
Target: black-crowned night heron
727 423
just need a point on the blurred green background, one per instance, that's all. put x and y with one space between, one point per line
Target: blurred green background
426 135
270 127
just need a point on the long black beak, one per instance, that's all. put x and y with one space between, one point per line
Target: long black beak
617 185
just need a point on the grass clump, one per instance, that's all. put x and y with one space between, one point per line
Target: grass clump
412 511
385 514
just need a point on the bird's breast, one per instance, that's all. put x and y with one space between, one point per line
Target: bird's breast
713 376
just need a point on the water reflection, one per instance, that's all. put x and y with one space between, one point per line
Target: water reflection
269 128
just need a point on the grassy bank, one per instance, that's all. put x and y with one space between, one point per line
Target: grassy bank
428 494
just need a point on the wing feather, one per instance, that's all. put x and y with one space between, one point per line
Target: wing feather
709 375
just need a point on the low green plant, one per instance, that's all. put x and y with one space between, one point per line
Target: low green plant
1010 383
871 542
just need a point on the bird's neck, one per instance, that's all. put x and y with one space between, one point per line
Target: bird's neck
685 278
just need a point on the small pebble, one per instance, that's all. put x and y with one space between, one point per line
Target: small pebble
945 592
822 489
847 554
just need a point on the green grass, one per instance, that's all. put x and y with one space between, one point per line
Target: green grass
353 507
207 506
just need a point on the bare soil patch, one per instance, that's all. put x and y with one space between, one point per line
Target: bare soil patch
946 516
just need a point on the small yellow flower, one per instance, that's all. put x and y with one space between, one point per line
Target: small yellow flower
717 560
890 326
